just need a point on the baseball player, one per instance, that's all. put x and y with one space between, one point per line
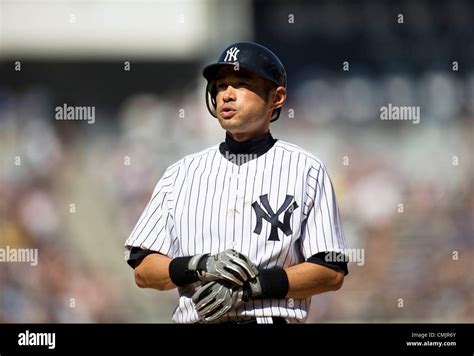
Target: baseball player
249 229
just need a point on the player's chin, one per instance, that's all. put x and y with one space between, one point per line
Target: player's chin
230 122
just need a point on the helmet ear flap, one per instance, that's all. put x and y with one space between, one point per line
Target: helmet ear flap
211 98
275 115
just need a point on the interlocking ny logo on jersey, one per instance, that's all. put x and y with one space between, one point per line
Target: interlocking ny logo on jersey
231 55
272 217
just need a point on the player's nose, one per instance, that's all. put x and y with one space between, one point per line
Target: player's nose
229 94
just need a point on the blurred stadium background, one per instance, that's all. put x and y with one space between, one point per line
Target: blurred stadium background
74 52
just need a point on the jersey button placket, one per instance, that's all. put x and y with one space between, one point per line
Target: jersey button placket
240 201
231 212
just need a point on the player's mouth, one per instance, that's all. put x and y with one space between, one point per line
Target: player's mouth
227 111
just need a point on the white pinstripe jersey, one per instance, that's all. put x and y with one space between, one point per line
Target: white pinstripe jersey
205 203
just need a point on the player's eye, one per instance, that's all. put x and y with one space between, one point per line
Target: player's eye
221 86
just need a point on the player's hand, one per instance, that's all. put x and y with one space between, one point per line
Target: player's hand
215 299
228 265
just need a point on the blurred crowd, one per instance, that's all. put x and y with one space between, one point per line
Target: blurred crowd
74 191
62 287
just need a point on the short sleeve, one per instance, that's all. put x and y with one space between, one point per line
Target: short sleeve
155 228
322 230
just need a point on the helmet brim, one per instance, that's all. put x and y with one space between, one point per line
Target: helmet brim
210 72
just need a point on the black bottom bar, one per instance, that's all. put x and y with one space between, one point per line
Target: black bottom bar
316 339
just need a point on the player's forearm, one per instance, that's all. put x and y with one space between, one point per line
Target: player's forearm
307 279
152 272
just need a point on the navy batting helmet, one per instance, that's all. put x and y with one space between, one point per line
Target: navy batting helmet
252 57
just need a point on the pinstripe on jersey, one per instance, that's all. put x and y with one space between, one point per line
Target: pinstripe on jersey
203 203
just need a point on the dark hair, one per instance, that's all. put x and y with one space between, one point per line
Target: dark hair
268 87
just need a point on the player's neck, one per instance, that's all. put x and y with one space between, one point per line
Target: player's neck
250 148
245 136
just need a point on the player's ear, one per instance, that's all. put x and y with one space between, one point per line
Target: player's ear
279 97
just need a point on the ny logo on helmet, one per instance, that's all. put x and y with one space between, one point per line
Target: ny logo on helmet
231 54
272 217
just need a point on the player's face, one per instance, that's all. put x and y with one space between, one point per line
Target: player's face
243 107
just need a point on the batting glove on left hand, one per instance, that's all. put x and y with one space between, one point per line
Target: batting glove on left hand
217 298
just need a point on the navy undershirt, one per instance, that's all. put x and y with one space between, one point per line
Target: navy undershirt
242 152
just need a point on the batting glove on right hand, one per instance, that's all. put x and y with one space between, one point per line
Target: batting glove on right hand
228 265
